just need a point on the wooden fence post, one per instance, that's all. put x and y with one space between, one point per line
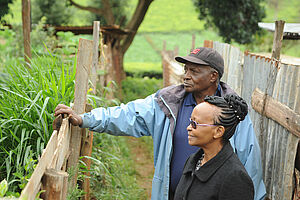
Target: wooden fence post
87 136
84 62
55 184
93 75
193 41
176 50
277 41
26 30
208 43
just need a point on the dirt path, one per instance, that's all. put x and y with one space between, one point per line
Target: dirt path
143 163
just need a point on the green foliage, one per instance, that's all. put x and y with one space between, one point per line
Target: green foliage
4 8
12 42
136 88
118 9
169 16
135 57
113 174
3 188
289 11
27 100
235 20
57 12
140 70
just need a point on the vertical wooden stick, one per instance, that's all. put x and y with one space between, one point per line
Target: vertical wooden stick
208 43
84 62
93 75
193 41
164 45
86 150
277 41
26 30
176 50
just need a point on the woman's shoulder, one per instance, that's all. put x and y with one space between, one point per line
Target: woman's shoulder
235 169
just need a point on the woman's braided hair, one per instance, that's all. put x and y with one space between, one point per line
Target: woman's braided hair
234 109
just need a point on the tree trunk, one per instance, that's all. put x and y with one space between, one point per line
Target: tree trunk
113 64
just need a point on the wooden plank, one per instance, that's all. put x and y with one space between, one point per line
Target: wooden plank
276 111
277 41
26 30
62 149
84 62
30 191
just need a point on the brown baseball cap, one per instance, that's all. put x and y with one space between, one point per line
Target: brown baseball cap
204 56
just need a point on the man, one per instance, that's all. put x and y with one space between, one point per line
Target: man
165 116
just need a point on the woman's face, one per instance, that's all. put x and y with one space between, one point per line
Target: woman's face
203 135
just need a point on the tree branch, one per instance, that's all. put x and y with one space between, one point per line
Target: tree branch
88 8
134 23
107 12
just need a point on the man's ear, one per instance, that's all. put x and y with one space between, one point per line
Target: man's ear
220 130
214 76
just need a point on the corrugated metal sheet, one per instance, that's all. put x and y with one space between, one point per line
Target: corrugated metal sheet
278 146
233 65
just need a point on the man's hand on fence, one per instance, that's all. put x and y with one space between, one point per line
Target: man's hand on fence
74 119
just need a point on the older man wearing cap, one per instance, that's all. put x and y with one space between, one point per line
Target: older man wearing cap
165 115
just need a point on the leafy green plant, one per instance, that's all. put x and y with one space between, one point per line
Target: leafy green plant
135 88
27 100
239 25
113 174
57 12
3 187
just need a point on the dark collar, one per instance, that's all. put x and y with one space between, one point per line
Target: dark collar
209 168
189 100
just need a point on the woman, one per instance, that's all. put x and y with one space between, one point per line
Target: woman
214 171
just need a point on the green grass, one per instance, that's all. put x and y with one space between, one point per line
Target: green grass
170 16
287 10
141 50
113 175
27 101
138 88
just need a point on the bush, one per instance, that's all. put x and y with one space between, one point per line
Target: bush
57 12
136 88
113 173
141 70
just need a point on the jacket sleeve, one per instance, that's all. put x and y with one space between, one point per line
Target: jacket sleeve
237 185
137 118
246 147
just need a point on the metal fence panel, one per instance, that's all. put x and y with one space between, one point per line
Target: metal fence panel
278 146
287 92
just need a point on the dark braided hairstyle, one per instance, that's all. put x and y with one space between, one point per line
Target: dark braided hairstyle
234 109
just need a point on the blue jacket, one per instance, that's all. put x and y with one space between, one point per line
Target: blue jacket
156 116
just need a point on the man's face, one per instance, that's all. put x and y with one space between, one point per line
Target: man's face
197 78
